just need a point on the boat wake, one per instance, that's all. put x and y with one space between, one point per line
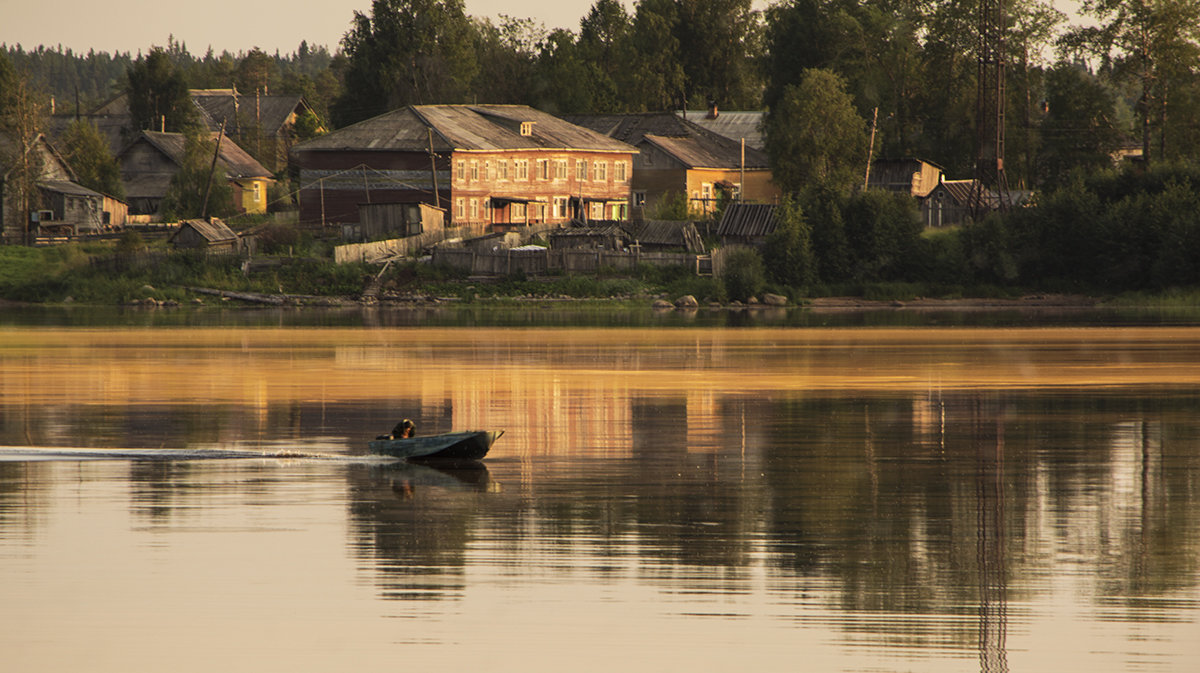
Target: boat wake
59 453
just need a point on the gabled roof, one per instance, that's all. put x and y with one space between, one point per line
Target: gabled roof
747 220
212 230
962 191
463 128
10 152
232 159
242 111
690 144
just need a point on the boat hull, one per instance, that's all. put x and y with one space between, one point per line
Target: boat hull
450 447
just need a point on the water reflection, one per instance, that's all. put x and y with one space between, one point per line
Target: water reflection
997 499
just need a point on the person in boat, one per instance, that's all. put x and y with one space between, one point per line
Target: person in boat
403 430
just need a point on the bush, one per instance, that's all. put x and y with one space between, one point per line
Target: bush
743 274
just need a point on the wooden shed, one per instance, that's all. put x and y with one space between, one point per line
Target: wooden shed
747 224
211 235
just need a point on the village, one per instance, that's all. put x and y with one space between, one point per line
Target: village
471 186
506 150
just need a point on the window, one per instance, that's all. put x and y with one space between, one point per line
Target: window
620 171
474 171
474 209
622 211
460 170
489 172
543 169
581 169
502 169
560 207
600 171
257 192
526 128
460 208
639 199
560 169
517 214
522 166
596 211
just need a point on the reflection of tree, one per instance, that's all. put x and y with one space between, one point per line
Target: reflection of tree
929 507
413 524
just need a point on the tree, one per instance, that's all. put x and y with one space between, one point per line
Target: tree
256 71
407 52
1151 42
719 46
158 95
815 136
604 48
658 79
1078 131
198 189
507 56
788 255
90 157
21 122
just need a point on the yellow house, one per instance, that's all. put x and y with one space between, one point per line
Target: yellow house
678 157
149 162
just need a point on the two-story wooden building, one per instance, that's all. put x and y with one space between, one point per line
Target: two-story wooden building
677 157
495 167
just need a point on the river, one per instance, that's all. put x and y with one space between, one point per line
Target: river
197 496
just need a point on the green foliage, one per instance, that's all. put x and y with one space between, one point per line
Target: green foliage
90 157
1078 132
198 189
158 95
406 52
743 274
788 257
814 135
673 206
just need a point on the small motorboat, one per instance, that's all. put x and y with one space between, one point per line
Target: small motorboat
450 447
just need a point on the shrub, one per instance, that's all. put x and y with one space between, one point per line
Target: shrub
743 275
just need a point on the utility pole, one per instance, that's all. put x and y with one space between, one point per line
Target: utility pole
211 170
871 148
990 188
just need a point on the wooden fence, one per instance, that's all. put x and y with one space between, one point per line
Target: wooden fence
536 262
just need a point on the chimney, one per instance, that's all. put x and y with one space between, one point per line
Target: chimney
712 110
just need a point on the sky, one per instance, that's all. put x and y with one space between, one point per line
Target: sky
235 25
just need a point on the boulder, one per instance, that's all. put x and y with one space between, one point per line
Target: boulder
687 301
774 299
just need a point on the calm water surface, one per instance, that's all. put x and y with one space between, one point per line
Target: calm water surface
713 499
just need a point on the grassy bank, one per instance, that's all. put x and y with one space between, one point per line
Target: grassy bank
112 274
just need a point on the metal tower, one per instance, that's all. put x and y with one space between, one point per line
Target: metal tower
990 189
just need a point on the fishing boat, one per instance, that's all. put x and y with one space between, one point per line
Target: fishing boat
450 447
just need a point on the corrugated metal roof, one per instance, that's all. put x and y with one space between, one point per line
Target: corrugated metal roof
747 220
691 144
732 125
463 127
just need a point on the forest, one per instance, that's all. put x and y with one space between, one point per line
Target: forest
838 80
1075 93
